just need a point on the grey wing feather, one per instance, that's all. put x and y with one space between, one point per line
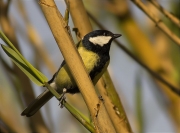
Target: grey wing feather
43 97
37 103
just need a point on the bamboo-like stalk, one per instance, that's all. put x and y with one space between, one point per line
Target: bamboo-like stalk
78 13
175 89
37 124
159 23
173 106
113 104
173 19
78 115
149 57
67 47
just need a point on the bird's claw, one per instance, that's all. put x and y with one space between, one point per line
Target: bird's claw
61 101
62 98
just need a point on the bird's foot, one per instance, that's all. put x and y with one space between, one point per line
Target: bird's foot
62 98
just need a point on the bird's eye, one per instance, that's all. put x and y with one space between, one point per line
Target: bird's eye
104 34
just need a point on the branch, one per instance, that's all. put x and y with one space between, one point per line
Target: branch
112 104
78 115
58 27
154 74
175 20
159 23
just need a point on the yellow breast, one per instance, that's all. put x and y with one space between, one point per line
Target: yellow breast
89 58
64 77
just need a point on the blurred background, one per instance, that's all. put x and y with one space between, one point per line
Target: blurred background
150 106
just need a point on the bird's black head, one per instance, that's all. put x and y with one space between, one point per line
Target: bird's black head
99 41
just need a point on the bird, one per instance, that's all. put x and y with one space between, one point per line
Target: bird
94 50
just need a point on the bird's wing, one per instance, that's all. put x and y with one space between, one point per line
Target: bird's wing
37 103
98 76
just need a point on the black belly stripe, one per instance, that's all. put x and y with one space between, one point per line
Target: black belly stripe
98 68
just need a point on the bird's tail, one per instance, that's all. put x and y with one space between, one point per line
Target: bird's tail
37 103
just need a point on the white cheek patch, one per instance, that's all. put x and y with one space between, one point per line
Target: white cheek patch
100 40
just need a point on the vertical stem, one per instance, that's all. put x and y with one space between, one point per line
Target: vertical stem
120 123
58 27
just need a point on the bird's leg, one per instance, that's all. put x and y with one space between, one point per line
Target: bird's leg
62 98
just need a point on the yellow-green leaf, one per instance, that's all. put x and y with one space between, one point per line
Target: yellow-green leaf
31 73
39 75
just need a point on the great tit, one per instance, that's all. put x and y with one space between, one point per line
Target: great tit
94 51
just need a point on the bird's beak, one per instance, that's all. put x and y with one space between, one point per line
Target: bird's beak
116 35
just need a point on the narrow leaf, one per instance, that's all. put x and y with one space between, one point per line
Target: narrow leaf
39 75
22 65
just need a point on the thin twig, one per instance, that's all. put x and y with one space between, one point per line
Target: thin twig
174 19
154 74
159 23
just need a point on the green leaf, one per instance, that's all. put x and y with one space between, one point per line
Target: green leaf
38 74
80 117
31 73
